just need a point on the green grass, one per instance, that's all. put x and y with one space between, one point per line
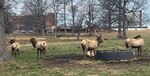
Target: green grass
28 65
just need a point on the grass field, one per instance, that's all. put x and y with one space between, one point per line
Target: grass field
64 58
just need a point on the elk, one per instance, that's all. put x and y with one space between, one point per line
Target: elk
40 46
15 47
91 45
136 42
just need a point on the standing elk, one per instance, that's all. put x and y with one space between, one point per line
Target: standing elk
136 42
40 46
15 47
89 45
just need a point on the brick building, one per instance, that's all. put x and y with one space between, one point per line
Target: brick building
26 24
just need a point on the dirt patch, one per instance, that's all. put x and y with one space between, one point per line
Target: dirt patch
77 61
63 61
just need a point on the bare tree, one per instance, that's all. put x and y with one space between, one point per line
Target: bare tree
119 19
90 16
93 13
111 14
56 6
115 13
3 49
124 18
135 5
80 20
73 11
37 8
107 8
9 6
65 2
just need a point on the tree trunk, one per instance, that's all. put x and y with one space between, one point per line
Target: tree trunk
80 26
90 20
65 17
73 27
140 18
79 31
124 20
73 18
3 49
119 21
55 25
109 16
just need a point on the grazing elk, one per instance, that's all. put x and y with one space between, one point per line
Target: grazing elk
40 46
89 45
136 42
15 47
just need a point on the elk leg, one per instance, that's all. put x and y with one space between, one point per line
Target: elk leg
15 52
84 53
12 53
91 52
94 52
140 48
41 54
138 51
18 52
44 52
37 53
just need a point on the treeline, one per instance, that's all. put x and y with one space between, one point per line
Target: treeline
89 14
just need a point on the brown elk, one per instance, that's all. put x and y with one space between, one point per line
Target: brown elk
91 45
15 47
136 42
40 46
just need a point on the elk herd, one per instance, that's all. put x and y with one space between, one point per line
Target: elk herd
39 45
88 45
